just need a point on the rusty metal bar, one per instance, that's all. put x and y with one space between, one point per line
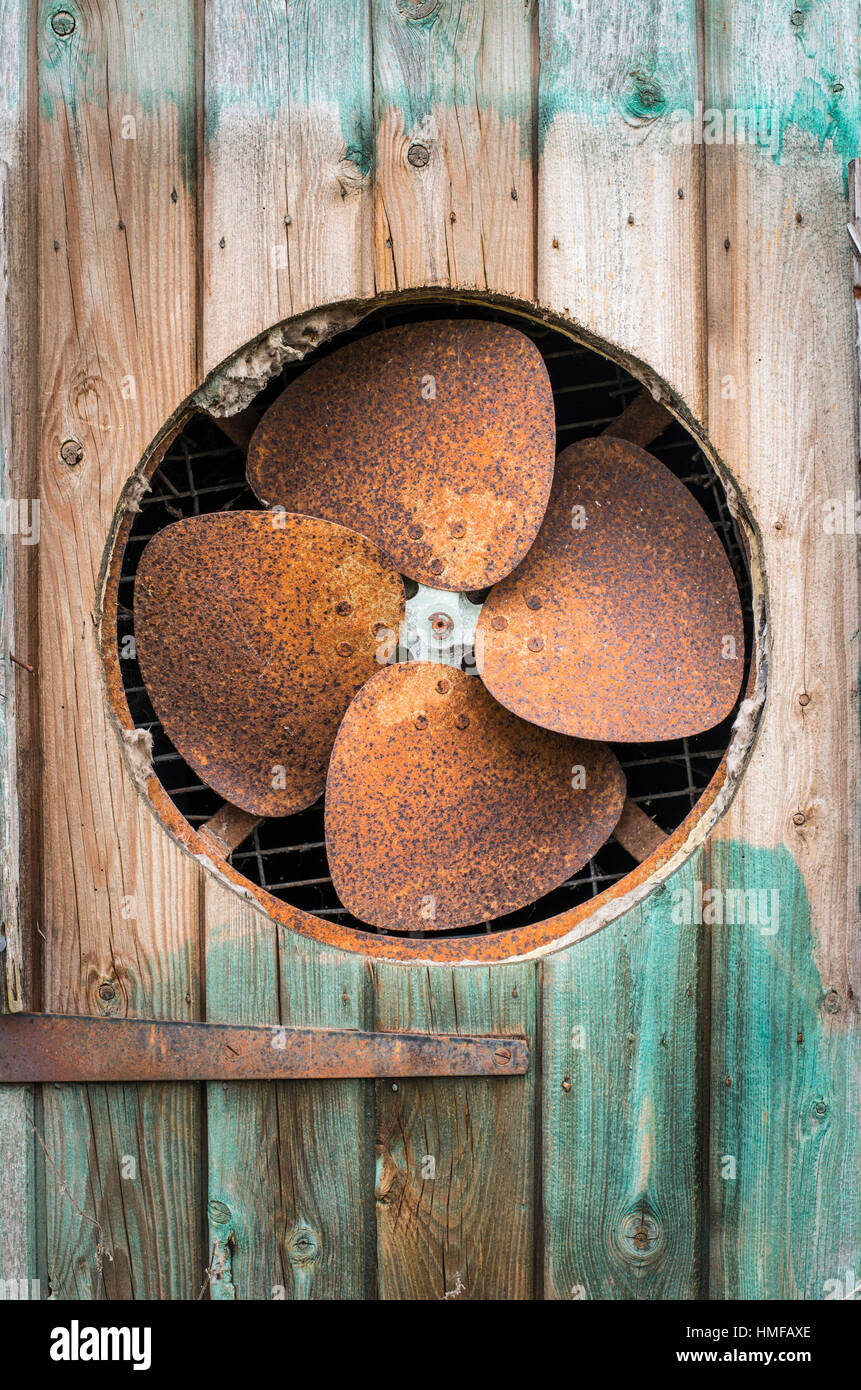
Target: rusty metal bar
638 833
66 1047
640 422
228 829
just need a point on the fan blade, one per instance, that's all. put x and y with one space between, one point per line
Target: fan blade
435 439
443 810
253 634
629 629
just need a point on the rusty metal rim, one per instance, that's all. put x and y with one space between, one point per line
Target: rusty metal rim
497 947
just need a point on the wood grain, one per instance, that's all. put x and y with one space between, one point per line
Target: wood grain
18 1253
783 413
287 130
117 355
287 126
623 1050
620 207
456 1173
454 125
619 252
291 1164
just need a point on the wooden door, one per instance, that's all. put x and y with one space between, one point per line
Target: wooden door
177 180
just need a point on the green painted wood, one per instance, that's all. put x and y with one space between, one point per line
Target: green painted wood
620 206
785 1091
122 1177
622 1107
287 134
245 1259
290 1164
784 1101
456 1174
326 1133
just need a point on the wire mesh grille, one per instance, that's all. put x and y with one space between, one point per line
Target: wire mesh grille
204 472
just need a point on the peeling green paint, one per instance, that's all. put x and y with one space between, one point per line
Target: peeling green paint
142 64
293 65
440 58
784 1093
792 68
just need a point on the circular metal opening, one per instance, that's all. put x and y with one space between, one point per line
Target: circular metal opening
283 861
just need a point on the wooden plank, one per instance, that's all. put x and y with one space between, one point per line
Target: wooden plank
619 194
622 1103
290 1165
326 1130
454 117
287 121
456 1176
619 252
287 126
18 1216
242 1121
783 414
120 901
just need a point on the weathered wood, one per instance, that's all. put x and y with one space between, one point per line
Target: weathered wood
453 145
287 154
290 1165
287 129
245 1258
18 1254
17 493
622 1104
619 252
619 201
782 412
457 1185
117 355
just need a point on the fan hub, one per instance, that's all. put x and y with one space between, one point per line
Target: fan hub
440 627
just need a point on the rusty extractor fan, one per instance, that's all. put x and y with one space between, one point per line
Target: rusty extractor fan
439 626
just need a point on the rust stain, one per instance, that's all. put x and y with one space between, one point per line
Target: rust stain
444 810
624 621
73 1048
435 439
254 631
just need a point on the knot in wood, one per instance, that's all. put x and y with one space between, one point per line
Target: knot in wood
303 1247
418 156
63 23
71 452
640 1233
